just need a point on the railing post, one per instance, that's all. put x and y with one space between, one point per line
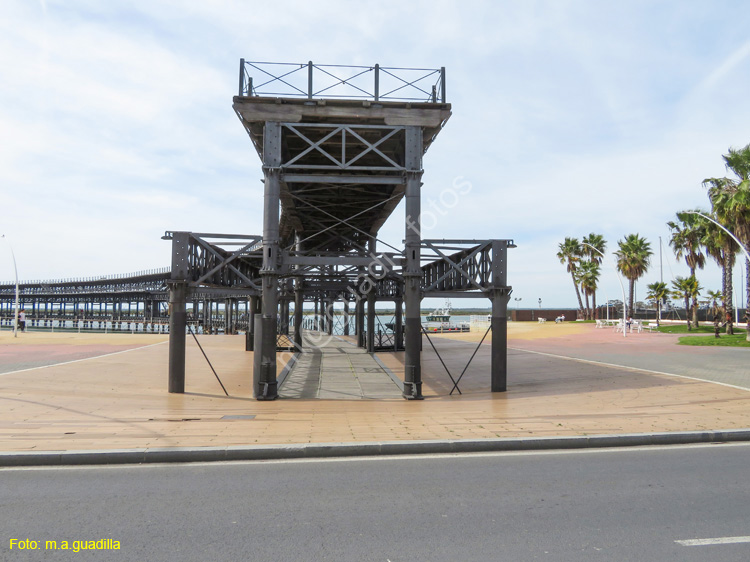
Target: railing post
309 80
442 82
377 82
242 76
434 94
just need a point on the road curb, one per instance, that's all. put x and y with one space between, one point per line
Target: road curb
331 450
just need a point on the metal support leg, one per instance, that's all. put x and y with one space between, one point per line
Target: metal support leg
177 325
299 318
250 334
371 321
346 317
412 270
398 335
499 322
265 385
228 320
359 320
500 296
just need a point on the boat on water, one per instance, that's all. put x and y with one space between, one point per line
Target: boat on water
441 314
440 321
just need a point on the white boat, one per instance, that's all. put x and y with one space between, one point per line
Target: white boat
441 314
440 321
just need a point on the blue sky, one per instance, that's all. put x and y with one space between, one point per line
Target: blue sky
568 118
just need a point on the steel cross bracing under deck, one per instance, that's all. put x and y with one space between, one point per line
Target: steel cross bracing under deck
340 147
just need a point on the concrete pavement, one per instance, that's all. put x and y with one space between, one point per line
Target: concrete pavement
118 401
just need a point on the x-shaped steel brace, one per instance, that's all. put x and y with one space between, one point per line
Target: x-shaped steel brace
224 261
456 266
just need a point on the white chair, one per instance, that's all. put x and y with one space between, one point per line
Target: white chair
599 324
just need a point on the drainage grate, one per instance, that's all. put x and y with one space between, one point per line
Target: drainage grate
238 417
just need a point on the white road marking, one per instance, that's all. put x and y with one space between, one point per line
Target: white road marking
720 540
84 359
626 367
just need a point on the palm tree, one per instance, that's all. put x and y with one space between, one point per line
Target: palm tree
570 254
730 199
598 242
714 296
633 259
723 250
686 288
657 292
588 277
686 240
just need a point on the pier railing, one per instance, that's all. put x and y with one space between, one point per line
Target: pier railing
321 81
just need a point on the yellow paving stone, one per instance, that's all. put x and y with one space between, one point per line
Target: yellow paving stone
120 401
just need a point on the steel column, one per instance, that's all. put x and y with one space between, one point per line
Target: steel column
399 325
250 334
299 299
228 320
177 325
500 295
372 248
346 317
359 320
412 269
371 321
265 385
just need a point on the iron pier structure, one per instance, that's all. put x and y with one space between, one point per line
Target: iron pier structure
340 147
130 301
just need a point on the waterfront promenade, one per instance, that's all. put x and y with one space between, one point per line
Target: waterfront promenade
62 392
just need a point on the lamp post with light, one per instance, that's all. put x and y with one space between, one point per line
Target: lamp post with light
15 270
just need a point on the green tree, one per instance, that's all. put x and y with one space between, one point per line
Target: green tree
714 297
686 241
588 276
730 199
598 242
633 259
723 250
686 288
657 292
570 254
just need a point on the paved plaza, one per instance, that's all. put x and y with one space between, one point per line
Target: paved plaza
67 391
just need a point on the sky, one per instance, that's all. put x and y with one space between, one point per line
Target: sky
569 117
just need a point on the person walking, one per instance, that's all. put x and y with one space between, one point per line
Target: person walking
22 320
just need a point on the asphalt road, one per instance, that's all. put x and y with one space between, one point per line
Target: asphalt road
593 505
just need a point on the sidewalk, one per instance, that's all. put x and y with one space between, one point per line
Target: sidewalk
120 400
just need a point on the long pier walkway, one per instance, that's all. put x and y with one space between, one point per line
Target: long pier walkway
332 368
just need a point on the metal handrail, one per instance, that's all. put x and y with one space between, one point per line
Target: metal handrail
265 80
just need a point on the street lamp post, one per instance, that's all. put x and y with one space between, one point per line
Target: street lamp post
624 319
517 299
15 270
